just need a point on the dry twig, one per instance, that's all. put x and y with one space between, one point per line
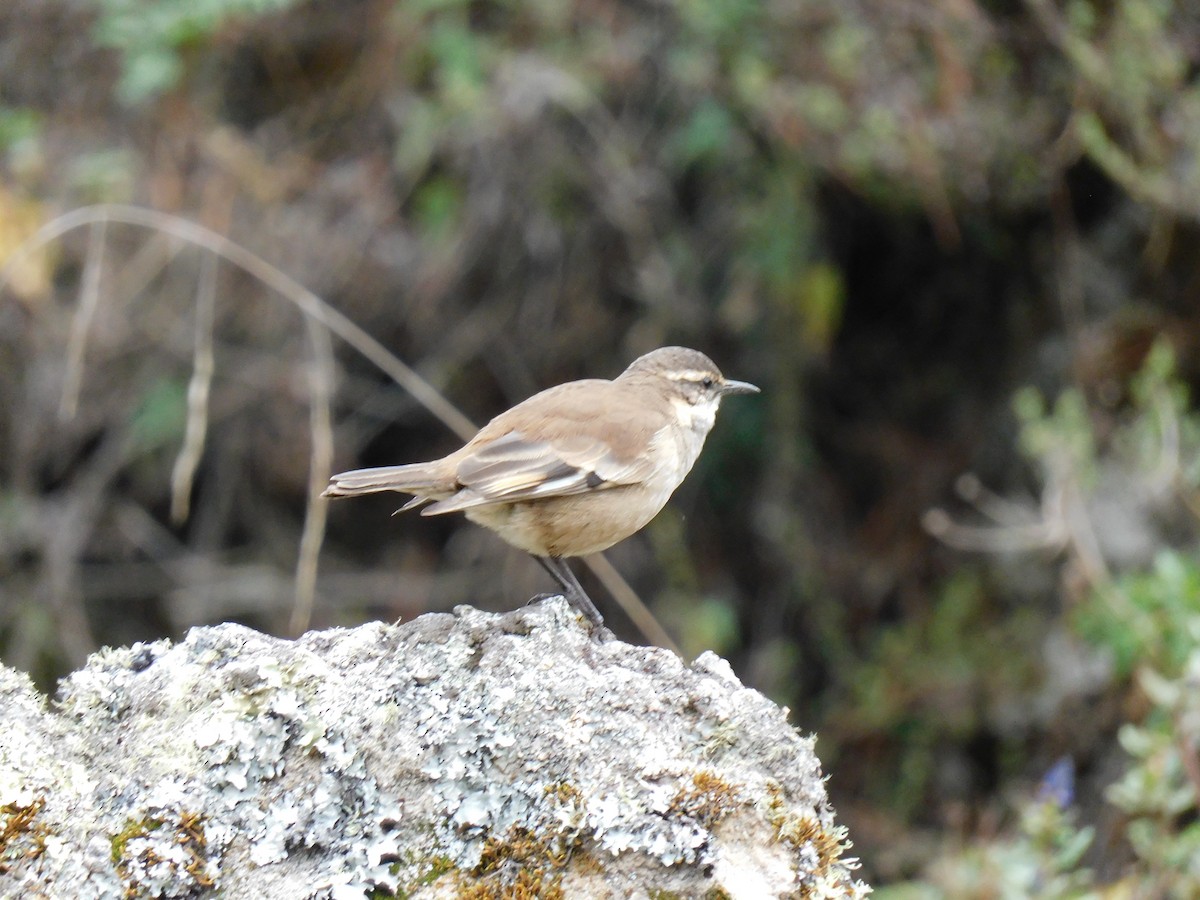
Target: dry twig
318 313
186 463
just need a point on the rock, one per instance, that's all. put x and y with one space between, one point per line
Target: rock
465 755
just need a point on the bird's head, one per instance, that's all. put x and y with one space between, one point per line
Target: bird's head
691 382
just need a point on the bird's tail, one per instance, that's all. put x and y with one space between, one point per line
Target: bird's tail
421 479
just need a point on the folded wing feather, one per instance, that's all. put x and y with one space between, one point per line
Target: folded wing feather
514 468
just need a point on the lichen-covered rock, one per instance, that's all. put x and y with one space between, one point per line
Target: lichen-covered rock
465 755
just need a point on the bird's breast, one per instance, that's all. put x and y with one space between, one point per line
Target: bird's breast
577 525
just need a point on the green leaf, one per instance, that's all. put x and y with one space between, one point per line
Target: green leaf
148 73
706 136
160 415
438 208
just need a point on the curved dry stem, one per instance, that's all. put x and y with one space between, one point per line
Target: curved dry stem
630 602
89 301
316 312
320 381
184 472
308 302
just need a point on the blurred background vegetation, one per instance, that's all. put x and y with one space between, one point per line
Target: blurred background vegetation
954 241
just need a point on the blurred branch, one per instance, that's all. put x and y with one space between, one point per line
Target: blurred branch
320 381
1013 527
65 527
1135 120
184 472
1155 186
320 384
629 601
255 265
89 300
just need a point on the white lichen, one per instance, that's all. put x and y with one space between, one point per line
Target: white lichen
394 758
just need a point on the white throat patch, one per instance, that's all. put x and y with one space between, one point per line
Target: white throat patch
698 417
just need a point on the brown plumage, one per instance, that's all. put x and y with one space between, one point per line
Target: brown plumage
573 469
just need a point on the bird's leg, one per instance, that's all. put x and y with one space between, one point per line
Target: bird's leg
574 592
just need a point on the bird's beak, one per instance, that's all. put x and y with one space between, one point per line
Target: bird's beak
738 387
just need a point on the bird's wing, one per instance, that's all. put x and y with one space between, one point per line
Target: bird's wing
514 467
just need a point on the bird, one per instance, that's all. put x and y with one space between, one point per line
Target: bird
573 469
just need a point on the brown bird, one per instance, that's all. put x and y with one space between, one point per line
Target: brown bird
573 469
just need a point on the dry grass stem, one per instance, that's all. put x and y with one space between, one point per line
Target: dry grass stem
308 302
85 312
630 602
320 380
184 472
321 375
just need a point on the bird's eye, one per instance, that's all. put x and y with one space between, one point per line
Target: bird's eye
708 383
